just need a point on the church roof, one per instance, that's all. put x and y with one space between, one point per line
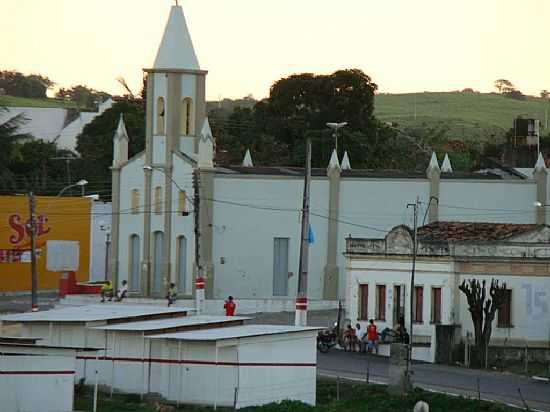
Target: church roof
176 48
472 231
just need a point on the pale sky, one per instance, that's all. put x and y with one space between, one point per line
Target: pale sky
404 45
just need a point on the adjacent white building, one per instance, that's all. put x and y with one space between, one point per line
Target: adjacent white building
249 216
379 279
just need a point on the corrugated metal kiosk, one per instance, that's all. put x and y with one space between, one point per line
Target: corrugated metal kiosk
74 326
238 366
36 377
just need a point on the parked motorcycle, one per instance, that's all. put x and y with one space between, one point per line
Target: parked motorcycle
330 337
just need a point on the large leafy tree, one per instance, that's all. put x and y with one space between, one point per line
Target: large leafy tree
15 83
95 143
82 95
9 138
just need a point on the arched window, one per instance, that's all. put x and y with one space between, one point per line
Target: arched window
158 200
134 260
181 263
187 117
160 115
134 199
158 238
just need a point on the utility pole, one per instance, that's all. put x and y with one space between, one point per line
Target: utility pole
301 299
107 253
199 279
32 230
415 207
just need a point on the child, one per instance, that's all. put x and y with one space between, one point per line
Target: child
229 306
121 294
107 291
172 294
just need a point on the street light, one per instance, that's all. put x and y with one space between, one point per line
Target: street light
336 127
80 183
107 229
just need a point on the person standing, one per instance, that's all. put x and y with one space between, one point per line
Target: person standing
361 337
229 306
172 294
372 337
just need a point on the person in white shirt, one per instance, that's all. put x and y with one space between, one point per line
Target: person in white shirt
361 338
121 294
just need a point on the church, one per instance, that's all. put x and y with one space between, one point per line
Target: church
248 217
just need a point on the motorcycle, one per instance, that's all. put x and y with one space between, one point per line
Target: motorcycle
330 337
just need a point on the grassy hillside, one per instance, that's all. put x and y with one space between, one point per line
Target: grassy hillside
468 115
12 101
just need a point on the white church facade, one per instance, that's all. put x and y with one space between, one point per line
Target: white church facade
249 219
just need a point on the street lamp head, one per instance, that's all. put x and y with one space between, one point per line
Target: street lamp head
538 204
337 126
82 182
148 168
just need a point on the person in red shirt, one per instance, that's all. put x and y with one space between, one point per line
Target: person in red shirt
372 337
229 306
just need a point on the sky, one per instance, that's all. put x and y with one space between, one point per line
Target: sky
404 45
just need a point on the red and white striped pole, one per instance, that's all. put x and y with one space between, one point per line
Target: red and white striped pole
199 295
300 318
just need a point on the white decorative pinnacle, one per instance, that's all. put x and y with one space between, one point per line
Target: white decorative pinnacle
334 163
446 166
121 129
176 48
206 131
434 163
247 161
345 162
541 164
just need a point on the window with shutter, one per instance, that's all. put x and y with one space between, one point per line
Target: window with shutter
182 203
364 302
436 305
380 302
418 304
160 115
505 311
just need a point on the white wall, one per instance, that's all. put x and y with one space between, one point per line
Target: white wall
261 385
244 235
132 176
391 273
530 310
24 391
503 201
380 204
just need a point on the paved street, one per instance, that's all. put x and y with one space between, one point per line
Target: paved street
453 380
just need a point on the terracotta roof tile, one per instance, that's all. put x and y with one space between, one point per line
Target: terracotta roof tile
471 231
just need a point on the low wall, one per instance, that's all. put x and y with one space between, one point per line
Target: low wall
215 306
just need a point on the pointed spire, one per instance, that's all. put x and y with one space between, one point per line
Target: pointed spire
206 146
434 163
446 166
247 161
206 131
345 162
121 129
541 164
176 48
334 163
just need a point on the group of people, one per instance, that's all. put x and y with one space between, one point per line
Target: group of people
361 340
107 292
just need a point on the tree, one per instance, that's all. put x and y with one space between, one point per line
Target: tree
544 94
482 310
82 95
95 143
503 85
15 83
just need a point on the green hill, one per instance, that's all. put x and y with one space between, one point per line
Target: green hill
469 115
12 101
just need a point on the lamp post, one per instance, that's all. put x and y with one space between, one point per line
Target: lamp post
80 183
336 127
107 229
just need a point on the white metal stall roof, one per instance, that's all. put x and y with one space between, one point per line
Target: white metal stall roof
149 325
234 332
92 313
